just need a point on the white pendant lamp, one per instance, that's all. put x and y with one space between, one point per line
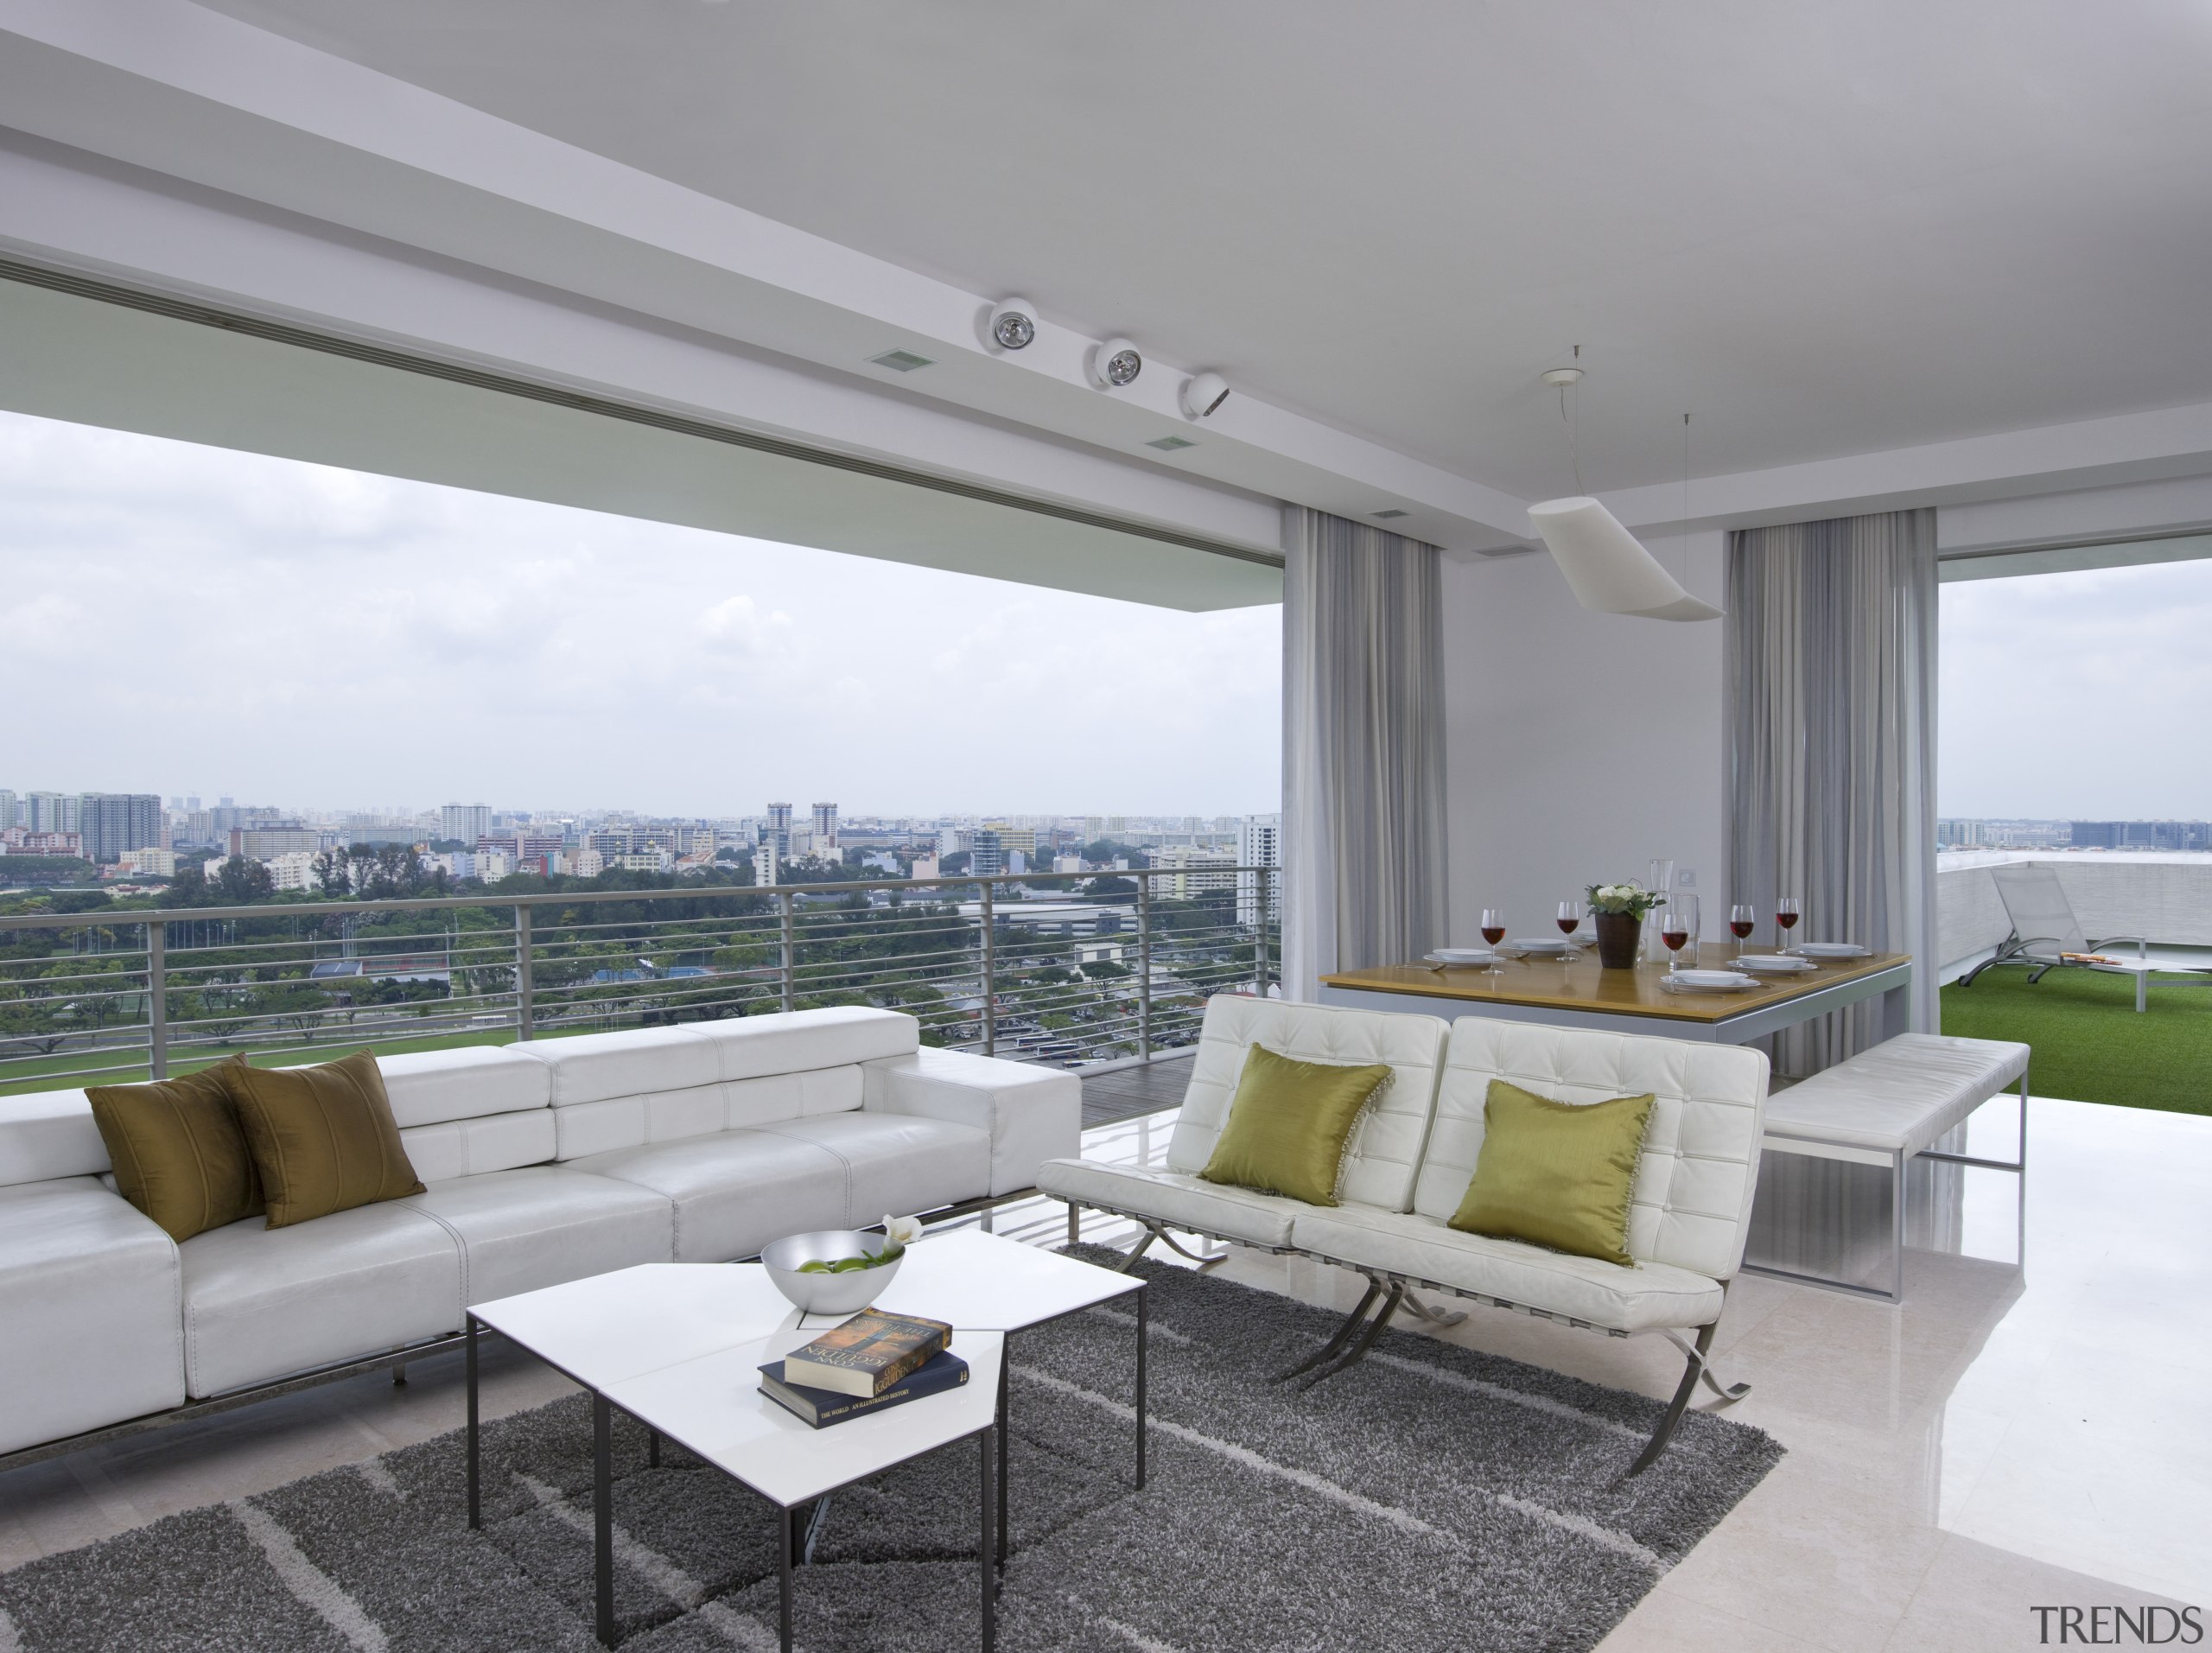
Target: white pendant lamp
1605 566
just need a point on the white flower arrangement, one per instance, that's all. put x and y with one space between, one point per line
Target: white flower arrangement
1629 897
898 1233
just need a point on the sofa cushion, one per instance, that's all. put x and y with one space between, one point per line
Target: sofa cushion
594 1067
588 1128
544 1225
89 1303
794 1040
1699 1167
899 1165
468 1148
178 1152
49 1134
430 1087
1385 1148
261 1303
323 1137
1580 1288
733 1191
1175 1197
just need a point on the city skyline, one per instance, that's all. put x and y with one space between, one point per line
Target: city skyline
216 621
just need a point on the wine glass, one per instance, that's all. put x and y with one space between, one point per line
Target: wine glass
1493 928
1785 920
1678 928
1570 919
1741 919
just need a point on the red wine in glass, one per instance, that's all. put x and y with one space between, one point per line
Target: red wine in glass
1493 933
1740 928
1566 924
1675 938
1740 919
1785 918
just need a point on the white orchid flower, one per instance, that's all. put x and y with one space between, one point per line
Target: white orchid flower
902 1231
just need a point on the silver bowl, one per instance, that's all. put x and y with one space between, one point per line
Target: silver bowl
845 1293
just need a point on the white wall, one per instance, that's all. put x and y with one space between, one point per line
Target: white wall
1578 745
2165 897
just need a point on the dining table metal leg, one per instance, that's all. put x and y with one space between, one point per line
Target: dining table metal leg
602 1515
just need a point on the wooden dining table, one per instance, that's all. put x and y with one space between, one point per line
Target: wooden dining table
1578 992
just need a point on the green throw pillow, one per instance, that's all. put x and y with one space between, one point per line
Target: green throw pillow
323 1138
1556 1173
1288 1123
178 1153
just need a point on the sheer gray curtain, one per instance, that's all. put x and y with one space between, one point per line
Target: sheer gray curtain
1832 694
1363 731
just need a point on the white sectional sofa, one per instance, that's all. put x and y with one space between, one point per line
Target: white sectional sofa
543 1162
1408 1161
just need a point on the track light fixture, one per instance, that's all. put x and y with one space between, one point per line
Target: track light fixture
1013 324
1114 364
1204 393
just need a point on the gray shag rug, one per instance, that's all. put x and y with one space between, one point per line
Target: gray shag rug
1430 1498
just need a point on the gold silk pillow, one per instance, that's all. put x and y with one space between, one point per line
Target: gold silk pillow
1288 1124
1556 1173
323 1138
177 1150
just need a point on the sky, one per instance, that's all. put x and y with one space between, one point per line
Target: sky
179 619
2078 696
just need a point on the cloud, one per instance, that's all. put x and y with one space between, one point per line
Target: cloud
216 622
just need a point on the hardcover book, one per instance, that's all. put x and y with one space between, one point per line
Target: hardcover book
868 1354
821 1406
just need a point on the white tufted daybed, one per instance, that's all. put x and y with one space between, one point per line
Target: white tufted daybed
1411 1157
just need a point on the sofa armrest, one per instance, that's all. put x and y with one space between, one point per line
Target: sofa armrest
1032 1114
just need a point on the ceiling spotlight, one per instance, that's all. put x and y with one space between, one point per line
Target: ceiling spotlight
1205 393
1114 364
1013 324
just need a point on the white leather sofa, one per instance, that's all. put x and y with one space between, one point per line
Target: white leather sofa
1409 1161
543 1162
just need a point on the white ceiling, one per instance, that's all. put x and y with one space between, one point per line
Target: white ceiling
1824 229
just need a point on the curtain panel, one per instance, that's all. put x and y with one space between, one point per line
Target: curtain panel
1362 730
1832 748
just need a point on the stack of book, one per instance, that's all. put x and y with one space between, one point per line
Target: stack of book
871 1362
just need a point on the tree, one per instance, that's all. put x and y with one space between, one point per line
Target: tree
240 881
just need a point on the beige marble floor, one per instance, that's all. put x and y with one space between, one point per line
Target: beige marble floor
2013 1436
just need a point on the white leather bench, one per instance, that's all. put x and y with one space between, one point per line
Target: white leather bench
1408 1162
1885 1107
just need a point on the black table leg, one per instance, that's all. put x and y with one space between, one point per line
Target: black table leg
474 1516
988 1547
1006 1364
786 1523
602 1512
1142 1339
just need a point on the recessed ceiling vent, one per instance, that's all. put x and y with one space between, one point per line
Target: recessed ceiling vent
902 361
1391 515
1169 444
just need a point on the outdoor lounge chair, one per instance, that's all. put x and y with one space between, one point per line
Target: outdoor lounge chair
2046 936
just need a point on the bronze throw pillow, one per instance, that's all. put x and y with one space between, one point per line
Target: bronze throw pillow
322 1138
178 1152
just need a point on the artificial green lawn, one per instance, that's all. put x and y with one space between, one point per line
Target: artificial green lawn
2090 1044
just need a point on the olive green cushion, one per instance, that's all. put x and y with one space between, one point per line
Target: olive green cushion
1288 1123
177 1150
1556 1173
323 1138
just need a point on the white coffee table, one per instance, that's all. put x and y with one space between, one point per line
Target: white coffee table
678 1346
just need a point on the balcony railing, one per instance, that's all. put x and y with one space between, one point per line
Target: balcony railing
1030 966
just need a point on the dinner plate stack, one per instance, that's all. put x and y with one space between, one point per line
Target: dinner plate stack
1707 982
1774 965
1832 950
1463 955
1554 946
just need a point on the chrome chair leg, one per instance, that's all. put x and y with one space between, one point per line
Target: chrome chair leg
1342 1336
1357 1352
1433 1315
1693 1369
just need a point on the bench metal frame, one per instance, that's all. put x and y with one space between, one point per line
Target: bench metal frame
1897 1160
1361 1329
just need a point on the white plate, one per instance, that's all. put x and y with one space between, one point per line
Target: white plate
1540 943
1832 950
1462 956
1707 982
1773 964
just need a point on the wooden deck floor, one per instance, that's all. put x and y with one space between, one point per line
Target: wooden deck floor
1124 1093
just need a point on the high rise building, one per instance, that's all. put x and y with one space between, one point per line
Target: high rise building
111 823
49 812
777 833
466 822
1259 843
825 828
986 855
1182 858
764 862
7 809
